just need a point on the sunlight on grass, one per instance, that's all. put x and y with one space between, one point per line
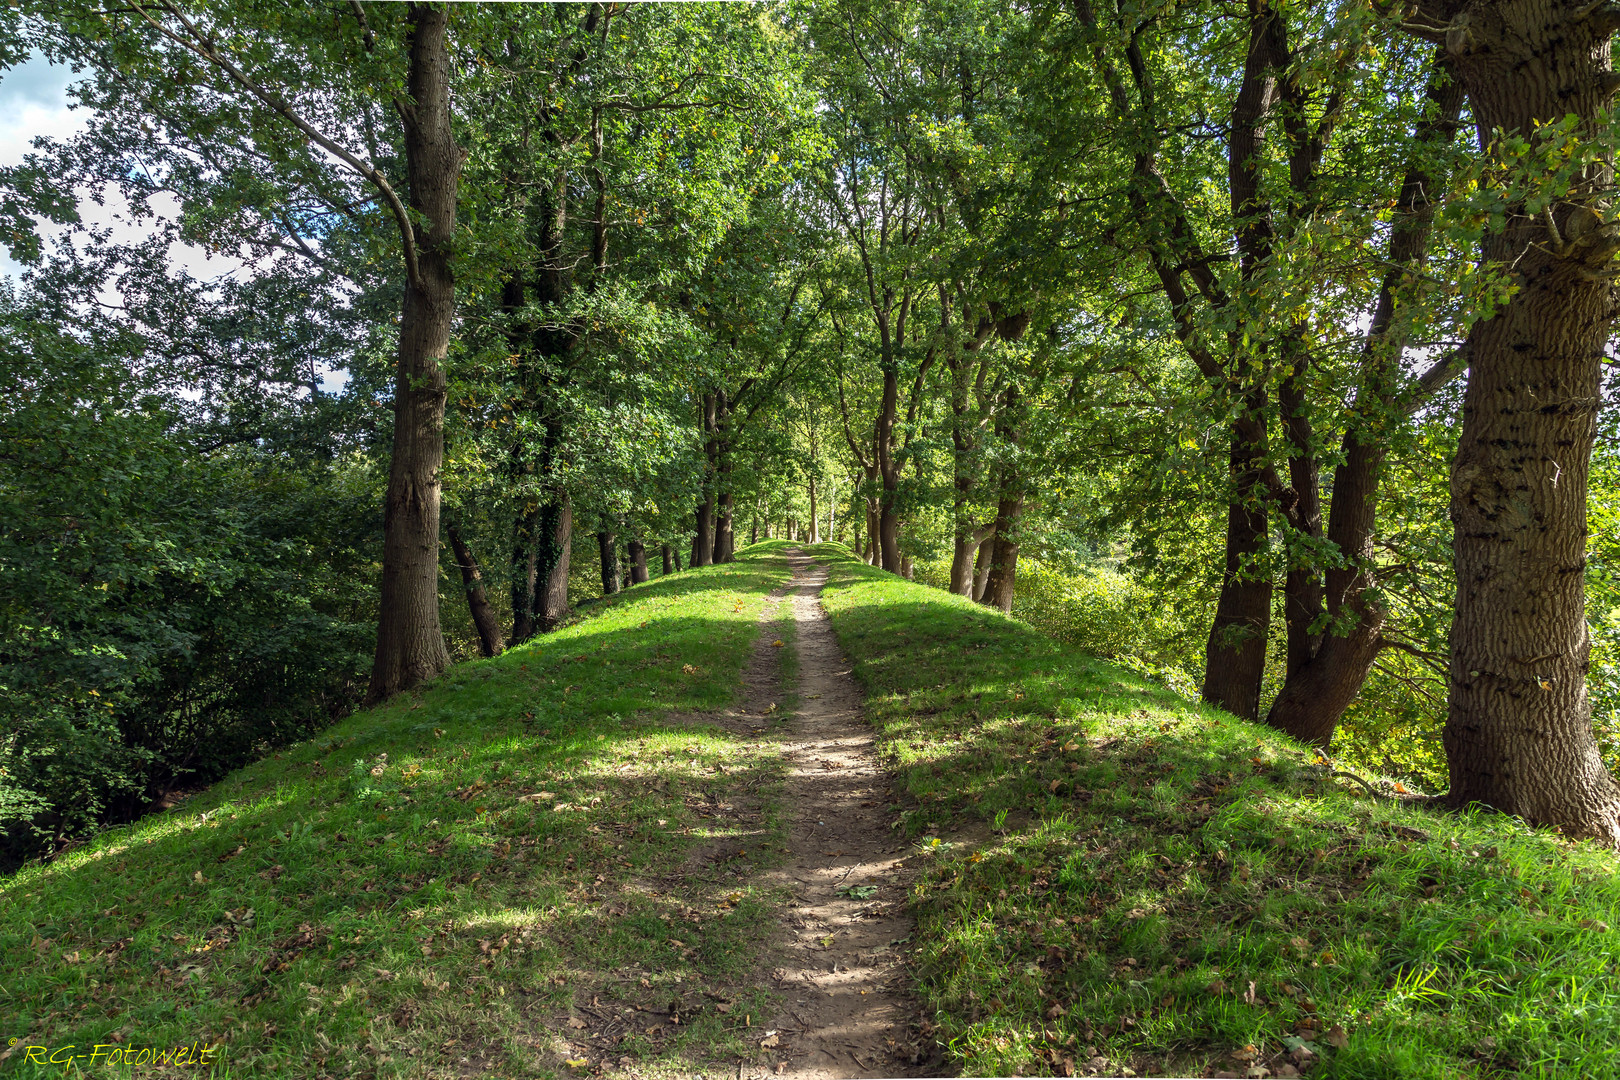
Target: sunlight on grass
1141 882
439 882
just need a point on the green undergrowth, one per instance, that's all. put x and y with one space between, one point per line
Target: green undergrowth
540 859
1117 880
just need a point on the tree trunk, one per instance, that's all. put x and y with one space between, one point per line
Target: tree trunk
981 563
1302 581
1316 694
815 514
1003 571
553 554
525 553
669 558
638 562
410 644
703 542
969 541
725 541
888 524
1235 655
484 618
607 544
1518 734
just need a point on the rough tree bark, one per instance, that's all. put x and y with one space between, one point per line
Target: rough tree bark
638 562
1518 732
485 621
703 542
410 644
669 558
556 542
608 545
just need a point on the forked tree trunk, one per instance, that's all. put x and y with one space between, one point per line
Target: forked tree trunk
638 562
1518 734
607 544
981 563
555 547
485 621
969 540
410 643
1316 694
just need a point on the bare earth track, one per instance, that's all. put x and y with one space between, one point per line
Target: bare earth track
847 1011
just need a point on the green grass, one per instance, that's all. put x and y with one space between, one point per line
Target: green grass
1117 878
384 901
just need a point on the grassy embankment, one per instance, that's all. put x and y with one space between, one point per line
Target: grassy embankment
1121 880
477 879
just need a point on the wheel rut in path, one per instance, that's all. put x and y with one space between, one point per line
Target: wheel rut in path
847 1009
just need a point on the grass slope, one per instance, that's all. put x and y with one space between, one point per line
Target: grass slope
383 900
1121 881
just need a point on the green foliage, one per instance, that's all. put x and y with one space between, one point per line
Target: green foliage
165 615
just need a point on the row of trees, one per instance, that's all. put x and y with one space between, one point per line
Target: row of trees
1186 282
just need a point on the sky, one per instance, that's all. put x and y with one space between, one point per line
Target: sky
33 102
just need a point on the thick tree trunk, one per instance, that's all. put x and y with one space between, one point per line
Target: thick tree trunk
608 545
410 643
969 540
1518 734
638 562
1003 572
669 558
483 614
725 541
1317 692
556 543
703 542
525 555
1235 656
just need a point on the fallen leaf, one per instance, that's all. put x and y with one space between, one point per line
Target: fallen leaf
576 1023
576 1063
770 1041
1595 924
777 644
1337 1037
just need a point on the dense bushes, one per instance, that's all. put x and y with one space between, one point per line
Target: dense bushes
165 613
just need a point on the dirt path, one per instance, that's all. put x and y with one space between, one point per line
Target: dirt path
847 1011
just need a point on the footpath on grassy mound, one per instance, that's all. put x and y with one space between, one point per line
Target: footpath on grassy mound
1123 883
572 859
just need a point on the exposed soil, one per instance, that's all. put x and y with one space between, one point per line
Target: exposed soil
847 1011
